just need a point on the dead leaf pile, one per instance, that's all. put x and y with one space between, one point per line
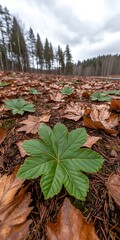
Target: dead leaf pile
14 208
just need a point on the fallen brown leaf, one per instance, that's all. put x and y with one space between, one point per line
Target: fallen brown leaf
70 225
21 149
32 123
14 208
113 186
74 111
85 94
115 105
57 97
100 113
88 122
90 141
112 121
3 133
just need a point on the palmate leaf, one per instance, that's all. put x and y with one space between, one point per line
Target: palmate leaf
34 91
19 106
60 161
98 96
112 92
67 90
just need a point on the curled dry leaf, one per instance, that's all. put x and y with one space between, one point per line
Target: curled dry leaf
112 121
113 186
3 134
74 111
115 105
85 94
70 225
32 123
91 140
14 208
88 122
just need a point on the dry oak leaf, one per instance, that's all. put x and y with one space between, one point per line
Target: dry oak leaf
14 208
3 134
70 225
74 111
32 123
113 186
91 140
56 96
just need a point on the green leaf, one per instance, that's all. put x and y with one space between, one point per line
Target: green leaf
3 84
112 92
60 161
52 181
98 96
19 106
67 90
77 183
34 91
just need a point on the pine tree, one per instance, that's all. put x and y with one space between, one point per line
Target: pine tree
69 64
19 48
51 55
31 47
3 46
8 22
39 52
61 60
47 55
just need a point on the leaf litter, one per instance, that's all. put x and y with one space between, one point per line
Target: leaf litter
14 208
104 118
70 225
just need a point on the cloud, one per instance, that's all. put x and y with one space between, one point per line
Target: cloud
90 27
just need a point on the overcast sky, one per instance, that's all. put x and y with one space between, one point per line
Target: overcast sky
90 27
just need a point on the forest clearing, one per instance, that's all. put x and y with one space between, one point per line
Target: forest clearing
43 101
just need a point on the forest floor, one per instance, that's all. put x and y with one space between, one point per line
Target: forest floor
100 118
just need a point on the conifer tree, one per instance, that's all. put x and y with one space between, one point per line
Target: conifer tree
39 52
19 49
3 46
68 58
31 47
51 55
61 59
47 55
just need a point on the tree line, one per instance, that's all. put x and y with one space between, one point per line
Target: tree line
99 66
22 50
25 51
